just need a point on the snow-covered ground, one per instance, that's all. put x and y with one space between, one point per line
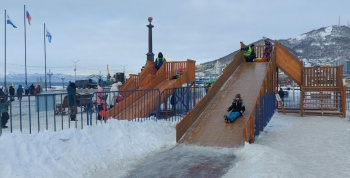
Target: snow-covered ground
290 146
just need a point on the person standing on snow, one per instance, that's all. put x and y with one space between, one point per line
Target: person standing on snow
31 89
281 93
4 108
12 93
26 90
72 100
237 108
19 92
159 60
112 97
101 103
2 93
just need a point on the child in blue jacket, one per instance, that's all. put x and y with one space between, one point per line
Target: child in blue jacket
237 108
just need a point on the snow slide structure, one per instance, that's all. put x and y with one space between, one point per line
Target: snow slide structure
142 92
257 83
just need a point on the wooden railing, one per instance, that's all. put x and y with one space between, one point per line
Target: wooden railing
169 69
325 76
262 112
259 51
288 63
323 91
192 115
150 81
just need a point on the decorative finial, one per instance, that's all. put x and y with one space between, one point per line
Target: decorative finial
150 19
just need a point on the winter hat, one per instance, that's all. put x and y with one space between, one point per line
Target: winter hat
99 89
238 96
160 55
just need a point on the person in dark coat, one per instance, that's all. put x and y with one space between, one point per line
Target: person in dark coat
12 93
31 89
159 61
26 90
237 108
72 101
267 49
19 92
4 107
2 93
281 93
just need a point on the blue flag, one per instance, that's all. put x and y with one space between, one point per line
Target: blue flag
48 35
8 21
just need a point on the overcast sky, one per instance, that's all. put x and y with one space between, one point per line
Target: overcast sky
114 32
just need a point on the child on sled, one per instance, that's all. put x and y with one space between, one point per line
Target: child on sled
237 108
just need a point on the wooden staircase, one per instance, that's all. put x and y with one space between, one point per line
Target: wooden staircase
141 91
322 88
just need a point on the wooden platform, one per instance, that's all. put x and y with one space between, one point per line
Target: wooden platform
210 128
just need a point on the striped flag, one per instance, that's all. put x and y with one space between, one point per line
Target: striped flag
48 35
8 21
29 17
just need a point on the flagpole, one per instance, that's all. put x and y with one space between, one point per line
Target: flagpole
25 45
5 52
45 58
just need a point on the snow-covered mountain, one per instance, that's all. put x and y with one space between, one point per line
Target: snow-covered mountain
39 77
322 46
317 47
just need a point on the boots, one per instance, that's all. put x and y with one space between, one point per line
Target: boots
72 118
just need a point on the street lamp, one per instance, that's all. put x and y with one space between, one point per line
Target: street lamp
123 70
62 78
75 70
150 55
49 74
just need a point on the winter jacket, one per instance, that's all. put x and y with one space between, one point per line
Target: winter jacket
4 106
268 47
100 96
19 90
237 106
2 93
159 62
12 91
114 93
247 51
71 92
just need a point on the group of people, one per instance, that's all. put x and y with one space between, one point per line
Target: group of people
12 92
249 53
237 107
103 101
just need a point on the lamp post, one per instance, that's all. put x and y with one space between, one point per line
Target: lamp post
123 70
75 70
62 78
49 74
150 55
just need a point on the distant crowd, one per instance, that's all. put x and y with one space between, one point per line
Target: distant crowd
11 92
